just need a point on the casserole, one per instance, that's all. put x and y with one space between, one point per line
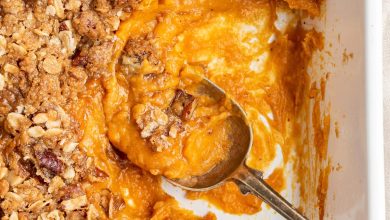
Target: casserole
91 106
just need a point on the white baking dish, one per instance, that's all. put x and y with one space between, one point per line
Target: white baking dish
354 91
356 191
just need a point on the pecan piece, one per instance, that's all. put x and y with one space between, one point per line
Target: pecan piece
70 191
49 160
79 59
183 104
159 142
28 166
63 26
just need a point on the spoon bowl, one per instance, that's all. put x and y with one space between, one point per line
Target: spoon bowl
233 167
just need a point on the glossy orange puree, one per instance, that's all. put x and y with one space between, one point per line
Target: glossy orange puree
235 44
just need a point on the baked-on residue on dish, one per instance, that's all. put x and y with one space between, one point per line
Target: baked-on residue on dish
93 95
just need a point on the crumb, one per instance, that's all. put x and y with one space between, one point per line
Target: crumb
338 167
347 56
337 129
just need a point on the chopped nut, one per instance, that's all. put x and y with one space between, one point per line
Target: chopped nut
149 129
69 147
53 132
50 161
63 27
70 191
155 124
159 142
53 124
2 82
11 68
59 7
68 40
36 132
149 118
28 166
160 116
40 118
76 203
183 105
79 59
3 172
69 173
51 65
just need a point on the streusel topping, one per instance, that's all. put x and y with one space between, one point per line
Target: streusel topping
48 50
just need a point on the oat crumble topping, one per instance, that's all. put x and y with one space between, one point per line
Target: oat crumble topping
48 50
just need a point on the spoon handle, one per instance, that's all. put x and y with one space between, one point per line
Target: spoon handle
260 188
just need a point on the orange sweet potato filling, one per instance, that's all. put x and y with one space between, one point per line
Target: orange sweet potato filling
226 41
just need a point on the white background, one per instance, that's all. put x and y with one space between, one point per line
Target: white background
386 95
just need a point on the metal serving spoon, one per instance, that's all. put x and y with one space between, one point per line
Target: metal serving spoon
234 168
